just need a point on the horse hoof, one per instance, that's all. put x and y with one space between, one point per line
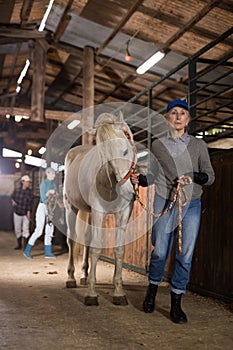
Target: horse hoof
91 301
83 281
71 284
121 300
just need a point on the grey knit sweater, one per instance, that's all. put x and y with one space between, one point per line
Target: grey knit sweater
166 169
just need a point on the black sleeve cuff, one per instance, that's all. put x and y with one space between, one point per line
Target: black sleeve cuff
198 177
142 180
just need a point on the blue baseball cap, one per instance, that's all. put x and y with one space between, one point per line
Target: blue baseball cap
49 170
177 103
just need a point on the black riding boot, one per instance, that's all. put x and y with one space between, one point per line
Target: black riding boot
19 243
24 243
149 302
177 314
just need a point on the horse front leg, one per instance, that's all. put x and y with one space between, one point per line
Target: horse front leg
119 297
94 251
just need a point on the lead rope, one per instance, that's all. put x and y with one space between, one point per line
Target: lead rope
51 205
177 197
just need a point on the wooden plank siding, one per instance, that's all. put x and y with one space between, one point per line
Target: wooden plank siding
211 272
212 269
135 252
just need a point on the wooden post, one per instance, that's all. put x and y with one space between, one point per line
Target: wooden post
38 81
24 152
88 94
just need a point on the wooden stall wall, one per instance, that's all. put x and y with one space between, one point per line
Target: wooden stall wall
212 269
135 251
211 272
7 183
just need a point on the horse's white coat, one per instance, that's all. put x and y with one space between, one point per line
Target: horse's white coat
91 189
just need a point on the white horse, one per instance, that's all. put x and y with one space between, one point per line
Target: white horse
97 182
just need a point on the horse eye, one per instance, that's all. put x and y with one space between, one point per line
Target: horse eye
125 152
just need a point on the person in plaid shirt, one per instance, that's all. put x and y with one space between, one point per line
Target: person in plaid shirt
21 200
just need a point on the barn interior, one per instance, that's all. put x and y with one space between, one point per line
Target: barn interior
42 63
58 58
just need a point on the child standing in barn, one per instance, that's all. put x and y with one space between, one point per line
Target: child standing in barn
47 187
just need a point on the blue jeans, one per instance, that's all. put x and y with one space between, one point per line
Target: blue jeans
163 232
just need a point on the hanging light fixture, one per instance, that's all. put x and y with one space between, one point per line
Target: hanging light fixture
128 57
47 12
40 29
150 62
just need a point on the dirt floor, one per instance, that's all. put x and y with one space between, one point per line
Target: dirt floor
38 312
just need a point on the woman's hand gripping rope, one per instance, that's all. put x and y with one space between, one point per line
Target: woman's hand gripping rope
181 182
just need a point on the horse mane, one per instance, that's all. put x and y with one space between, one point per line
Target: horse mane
107 132
109 126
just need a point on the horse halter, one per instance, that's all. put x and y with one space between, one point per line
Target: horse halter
132 167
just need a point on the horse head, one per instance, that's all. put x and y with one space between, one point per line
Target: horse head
114 140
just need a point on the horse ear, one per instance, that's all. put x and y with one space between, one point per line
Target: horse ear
121 117
118 117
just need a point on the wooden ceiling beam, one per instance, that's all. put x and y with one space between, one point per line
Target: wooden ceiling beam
5 16
202 13
8 41
225 5
63 23
49 114
25 12
12 69
129 70
121 24
28 135
71 69
68 48
177 22
12 31
38 81
6 10
115 64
